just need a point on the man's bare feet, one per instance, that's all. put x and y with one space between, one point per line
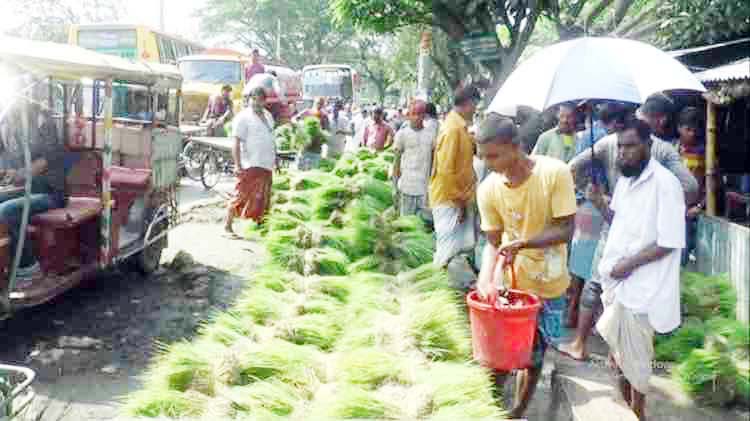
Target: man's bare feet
573 350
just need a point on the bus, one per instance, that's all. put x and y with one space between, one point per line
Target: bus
134 42
334 81
204 75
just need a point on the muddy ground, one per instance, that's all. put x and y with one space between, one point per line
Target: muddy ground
89 346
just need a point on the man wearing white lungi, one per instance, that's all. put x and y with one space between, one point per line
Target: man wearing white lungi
641 262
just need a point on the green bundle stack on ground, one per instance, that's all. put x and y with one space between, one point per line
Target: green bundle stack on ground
711 348
348 320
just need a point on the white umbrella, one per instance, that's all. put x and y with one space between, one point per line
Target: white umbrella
592 68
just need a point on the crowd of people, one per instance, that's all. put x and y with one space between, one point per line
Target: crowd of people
592 215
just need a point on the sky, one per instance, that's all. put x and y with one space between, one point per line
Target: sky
178 16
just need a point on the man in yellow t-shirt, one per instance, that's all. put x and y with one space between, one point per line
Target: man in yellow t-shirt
527 208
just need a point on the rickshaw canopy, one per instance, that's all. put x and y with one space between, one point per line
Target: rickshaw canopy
69 62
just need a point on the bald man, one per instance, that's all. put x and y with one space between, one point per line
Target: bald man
413 146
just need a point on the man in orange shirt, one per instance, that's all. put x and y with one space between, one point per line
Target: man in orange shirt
452 182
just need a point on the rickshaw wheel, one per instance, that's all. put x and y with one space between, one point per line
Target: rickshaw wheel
192 158
147 260
210 171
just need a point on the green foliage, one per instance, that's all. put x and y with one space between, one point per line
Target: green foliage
692 23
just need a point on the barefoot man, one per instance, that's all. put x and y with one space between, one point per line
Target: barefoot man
254 154
640 267
527 208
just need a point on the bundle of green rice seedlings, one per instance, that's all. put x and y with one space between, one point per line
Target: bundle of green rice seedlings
426 278
325 261
319 304
414 249
365 264
270 395
362 335
327 165
297 365
227 327
350 402
370 368
298 210
365 208
345 169
162 402
742 383
375 169
184 366
279 198
677 345
456 384
409 224
329 198
438 327
380 190
263 305
729 335
707 296
320 330
365 154
387 156
281 182
279 221
363 239
708 376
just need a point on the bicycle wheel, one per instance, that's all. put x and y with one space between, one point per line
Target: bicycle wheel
193 156
210 170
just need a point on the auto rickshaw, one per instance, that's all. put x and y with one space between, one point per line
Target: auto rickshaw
15 391
118 123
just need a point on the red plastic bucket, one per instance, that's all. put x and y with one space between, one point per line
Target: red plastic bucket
503 338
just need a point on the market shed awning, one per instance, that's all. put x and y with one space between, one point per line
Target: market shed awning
738 70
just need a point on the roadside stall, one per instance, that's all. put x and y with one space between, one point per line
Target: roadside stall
723 232
116 124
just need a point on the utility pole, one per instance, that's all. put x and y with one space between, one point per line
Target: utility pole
278 39
424 66
161 15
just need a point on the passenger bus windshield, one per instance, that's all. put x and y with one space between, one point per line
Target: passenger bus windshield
327 82
212 71
118 42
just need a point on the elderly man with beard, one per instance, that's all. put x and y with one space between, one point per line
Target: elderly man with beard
640 267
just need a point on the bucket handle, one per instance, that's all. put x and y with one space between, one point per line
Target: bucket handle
507 260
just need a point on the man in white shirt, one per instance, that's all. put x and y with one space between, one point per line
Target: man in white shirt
340 129
413 146
254 154
640 267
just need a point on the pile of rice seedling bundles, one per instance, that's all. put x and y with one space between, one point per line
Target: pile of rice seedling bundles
370 368
679 344
320 330
708 376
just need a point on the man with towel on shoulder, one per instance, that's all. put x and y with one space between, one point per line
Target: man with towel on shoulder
640 267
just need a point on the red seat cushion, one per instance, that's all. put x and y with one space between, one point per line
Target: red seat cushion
77 211
132 178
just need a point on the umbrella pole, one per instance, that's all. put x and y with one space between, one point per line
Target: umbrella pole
591 140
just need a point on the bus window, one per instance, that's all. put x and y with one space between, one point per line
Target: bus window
120 42
166 50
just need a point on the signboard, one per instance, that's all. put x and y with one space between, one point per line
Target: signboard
481 46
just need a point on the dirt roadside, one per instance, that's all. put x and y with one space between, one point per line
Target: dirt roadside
89 346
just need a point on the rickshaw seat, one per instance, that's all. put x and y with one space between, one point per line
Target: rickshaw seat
130 178
77 211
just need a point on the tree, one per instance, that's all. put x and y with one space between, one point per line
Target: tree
375 64
47 20
690 23
456 19
308 35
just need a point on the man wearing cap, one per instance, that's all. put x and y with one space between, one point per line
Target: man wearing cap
218 112
254 154
559 142
453 183
255 67
527 208
413 147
